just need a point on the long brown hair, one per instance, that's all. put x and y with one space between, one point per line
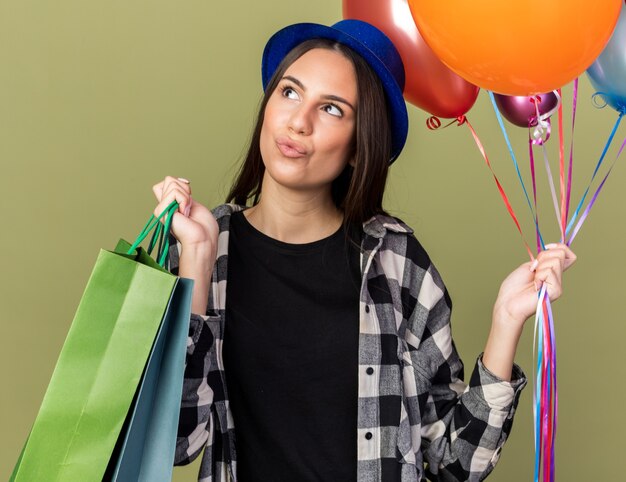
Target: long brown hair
358 190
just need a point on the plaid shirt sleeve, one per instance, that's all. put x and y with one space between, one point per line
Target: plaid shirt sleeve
462 427
199 423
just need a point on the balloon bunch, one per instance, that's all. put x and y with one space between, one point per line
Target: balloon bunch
451 49
429 85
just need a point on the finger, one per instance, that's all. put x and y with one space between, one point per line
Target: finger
181 182
173 194
553 264
550 278
570 256
161 187
553 254
173 185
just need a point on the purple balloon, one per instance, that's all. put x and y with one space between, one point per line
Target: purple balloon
520 110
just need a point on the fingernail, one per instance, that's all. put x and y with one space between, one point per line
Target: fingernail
551 245
533 265
186 181
187 210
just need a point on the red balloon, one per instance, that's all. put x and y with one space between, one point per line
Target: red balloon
430 85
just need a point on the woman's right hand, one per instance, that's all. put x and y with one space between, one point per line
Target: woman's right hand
193 225
196 229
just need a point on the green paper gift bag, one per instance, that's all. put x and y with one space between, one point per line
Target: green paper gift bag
146 447
100 365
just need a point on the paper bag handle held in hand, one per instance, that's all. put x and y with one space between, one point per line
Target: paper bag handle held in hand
162 231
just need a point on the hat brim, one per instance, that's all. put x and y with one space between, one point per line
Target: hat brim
283 41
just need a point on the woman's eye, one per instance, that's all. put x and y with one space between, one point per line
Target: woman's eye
332 109
289 93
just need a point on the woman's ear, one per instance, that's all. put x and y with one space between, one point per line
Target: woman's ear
352 161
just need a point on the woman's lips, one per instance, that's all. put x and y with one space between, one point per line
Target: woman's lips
290 148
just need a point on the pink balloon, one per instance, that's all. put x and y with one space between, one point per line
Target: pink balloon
520 110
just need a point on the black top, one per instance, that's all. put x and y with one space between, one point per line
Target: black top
291 320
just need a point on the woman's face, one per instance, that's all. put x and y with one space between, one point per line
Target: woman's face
309 121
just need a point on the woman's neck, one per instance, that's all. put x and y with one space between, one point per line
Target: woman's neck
295 217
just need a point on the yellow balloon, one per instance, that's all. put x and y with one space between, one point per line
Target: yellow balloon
517 47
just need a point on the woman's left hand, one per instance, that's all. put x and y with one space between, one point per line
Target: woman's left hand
517 299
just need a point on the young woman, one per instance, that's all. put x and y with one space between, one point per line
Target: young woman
320 348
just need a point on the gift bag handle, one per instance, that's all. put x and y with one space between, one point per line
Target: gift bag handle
161 233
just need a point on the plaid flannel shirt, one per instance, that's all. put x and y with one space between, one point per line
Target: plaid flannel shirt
416 416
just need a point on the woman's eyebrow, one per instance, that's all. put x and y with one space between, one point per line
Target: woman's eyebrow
336 98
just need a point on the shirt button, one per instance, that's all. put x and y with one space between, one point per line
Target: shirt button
367 309
369 370
368 435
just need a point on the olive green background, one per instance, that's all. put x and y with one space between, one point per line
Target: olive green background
101 100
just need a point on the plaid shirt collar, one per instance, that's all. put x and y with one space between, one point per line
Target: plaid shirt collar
378 225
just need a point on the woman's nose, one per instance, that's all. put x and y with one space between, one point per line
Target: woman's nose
300 120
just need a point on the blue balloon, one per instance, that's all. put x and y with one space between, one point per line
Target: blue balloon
608 72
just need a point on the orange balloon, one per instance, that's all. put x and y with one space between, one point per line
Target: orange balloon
430 85
517 47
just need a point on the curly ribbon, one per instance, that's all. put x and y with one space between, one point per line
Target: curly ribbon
537 379
545 392
541 122
549 396
463 120
571 149
595 196
519 174
561 170
595 171
545 406
531 142
537 139
545 395
545 403
552 188
433 122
